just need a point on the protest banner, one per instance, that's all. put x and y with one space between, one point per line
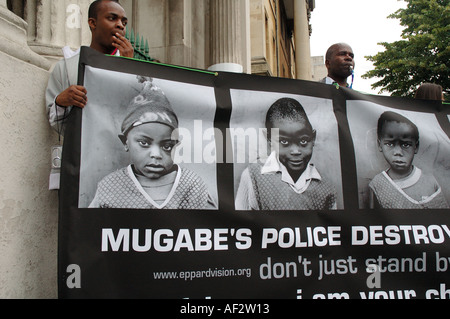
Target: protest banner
172 188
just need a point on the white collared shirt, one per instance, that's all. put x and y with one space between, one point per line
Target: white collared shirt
329 80
246 198
273 166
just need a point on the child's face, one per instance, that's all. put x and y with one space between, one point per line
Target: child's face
295 144
398 146
151 148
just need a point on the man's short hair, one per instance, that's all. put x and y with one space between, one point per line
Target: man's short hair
93 8
332 49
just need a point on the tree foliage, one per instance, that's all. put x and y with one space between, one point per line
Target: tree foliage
423 54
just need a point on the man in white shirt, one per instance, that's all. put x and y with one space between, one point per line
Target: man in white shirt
107 21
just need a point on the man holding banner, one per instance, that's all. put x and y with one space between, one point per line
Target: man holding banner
107 22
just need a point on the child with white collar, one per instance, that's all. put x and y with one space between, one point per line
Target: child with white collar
287 180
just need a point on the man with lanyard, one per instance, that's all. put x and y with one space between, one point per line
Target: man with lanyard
107 21
340 63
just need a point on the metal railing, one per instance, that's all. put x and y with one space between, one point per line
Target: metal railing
141 48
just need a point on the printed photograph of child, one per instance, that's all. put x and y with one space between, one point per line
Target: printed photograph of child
139 146
152 180
288 178
401 157
403 185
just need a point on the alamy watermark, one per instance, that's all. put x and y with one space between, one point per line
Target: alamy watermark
73 280
73 17
209 146
374 280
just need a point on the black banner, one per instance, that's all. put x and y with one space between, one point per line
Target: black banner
180 183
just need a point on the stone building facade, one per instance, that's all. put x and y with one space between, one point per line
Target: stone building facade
268 37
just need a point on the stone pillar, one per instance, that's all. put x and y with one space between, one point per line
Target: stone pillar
55 24
228 35
13 38
28 211
302 41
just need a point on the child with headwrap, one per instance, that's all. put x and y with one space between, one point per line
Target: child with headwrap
152 180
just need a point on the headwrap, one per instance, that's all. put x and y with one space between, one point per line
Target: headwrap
149 106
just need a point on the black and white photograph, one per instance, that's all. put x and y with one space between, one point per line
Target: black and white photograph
286 152
402 157
145 149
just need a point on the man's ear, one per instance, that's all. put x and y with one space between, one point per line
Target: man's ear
314 132
92 23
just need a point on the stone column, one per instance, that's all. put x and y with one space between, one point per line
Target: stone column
228 35
56 24
302 41
13 38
